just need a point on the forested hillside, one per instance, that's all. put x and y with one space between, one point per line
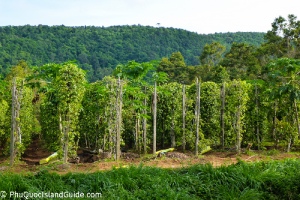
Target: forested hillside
100 49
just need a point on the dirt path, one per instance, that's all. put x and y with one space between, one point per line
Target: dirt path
35 152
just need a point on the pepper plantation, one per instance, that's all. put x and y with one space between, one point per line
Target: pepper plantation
56 103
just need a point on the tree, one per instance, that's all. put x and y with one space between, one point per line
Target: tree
174 67
135 72
212 54
240 61
283 39
285 82
20 70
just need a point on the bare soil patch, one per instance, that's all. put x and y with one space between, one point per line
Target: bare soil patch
34 153
103 161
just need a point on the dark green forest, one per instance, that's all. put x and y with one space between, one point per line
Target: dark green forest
100 49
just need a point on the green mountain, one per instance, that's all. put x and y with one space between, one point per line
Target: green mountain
100 49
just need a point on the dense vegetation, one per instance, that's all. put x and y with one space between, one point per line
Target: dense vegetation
259 180
246 95
100 49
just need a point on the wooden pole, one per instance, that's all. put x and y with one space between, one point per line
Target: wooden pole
296 112
66 134
238 124
145 124
154 121
110 127
118 146
222 116
12 124
173 143
136 132
238 131
183 117
18 127
197 117
117 119
139 136
274 121
257 123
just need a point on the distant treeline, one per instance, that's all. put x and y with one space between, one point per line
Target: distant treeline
100 49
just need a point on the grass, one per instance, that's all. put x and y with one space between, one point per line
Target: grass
272 152
51 165
258 180
294 152
250 153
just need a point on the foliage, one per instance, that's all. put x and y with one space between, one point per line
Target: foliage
68 111
27 117
262 120
240 61
210 111
133 70
101 49
212 54
282 40
236 105
284 78
175 68
258 180
60 108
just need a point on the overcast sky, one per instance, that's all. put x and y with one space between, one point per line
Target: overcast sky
201 16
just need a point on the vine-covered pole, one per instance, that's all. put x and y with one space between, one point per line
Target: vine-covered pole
18 104
274 122
116 130
197 116
154 120
222 115
12 123
183 117
136 140
139 138
238 131
67 129
296 113
257 123
119 118
145 123
173 142
104 135
238 124
110 124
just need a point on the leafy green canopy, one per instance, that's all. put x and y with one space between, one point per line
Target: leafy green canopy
101 49
284 78
133 70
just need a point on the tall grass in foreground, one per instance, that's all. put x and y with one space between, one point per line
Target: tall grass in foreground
259 180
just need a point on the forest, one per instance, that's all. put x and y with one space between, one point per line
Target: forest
246 95
100 49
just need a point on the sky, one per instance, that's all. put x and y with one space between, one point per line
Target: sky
201 16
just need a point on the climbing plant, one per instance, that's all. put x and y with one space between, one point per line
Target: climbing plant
236 105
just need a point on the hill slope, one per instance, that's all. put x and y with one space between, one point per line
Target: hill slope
100 49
